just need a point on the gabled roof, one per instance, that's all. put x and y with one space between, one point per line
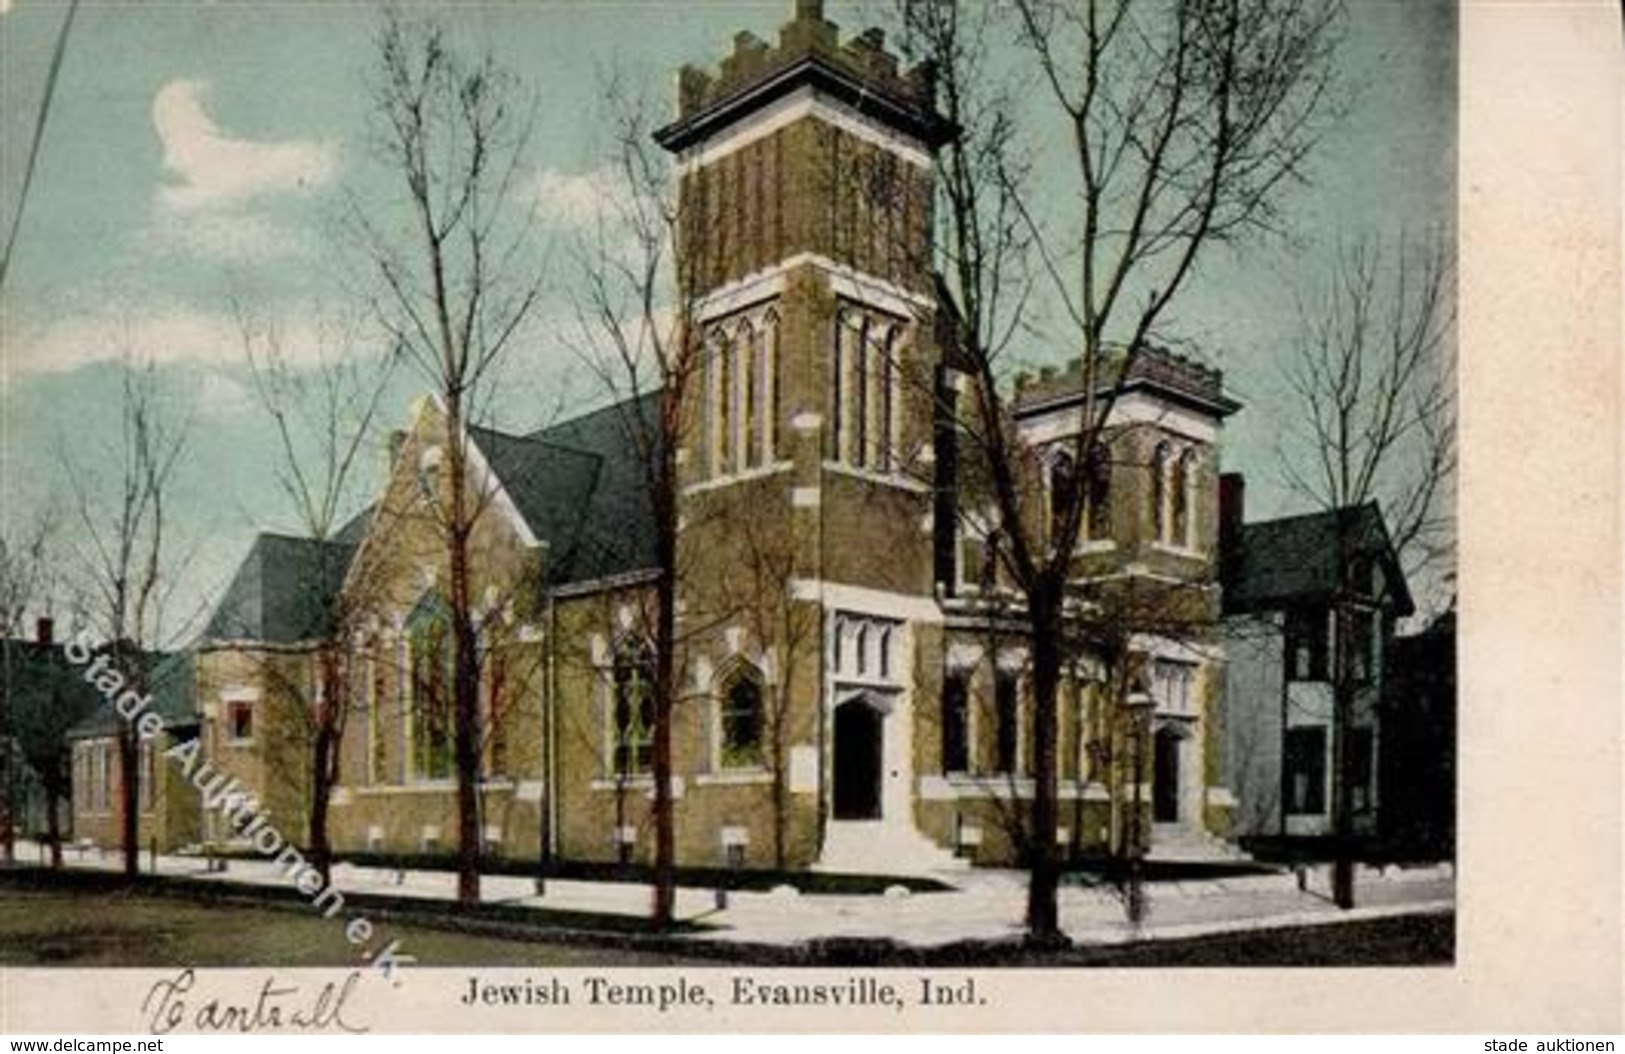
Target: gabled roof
1295 560
284 589
595 526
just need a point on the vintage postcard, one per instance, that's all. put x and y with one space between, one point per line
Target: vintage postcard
800 515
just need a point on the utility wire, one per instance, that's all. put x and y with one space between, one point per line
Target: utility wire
39 136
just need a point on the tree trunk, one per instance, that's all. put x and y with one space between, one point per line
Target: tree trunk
665 507
53 826
466 742
1342 714
1043 916
129 759
465 662
665 876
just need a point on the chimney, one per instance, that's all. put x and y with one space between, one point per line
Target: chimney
1232 511
44 630
397 440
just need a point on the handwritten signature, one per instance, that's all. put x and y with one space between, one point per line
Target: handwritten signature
171 1004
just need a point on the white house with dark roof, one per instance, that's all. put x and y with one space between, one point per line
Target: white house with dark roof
1310 603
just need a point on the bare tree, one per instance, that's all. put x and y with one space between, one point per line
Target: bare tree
638 341
1186 122
456 290
324 415
1373 374
121 502
1375 384
24 580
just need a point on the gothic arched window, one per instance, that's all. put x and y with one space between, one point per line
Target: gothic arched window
742 718
1181 492
1159 491
430 658
749 380
1100 491
634 708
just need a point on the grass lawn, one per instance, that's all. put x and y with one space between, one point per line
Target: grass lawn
52 927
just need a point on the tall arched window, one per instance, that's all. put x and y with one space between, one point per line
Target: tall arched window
749 381
721 406
1063 492
430 655
1100 491
1159 491
1180 489
742 718
878 363
864 389
634 708
770 385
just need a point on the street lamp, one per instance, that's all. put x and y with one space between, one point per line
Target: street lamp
1139 704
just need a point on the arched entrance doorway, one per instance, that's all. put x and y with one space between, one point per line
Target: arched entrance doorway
859 739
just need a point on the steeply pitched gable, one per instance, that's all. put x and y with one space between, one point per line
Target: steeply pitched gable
1296 560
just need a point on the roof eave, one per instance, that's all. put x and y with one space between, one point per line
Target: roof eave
820 73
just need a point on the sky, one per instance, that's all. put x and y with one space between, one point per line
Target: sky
198 156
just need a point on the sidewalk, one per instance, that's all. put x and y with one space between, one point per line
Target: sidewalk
987 905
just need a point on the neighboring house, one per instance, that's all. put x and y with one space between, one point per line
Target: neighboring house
168 803
854 689
1306 597
46 696
1416 759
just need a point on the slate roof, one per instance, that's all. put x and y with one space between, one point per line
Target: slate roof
1277 563
581 488
281 592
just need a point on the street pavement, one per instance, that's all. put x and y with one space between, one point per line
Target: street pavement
986 905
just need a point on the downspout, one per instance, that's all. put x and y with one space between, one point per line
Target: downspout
549 731
1283 788
549 840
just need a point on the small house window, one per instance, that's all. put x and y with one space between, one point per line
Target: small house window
240 721
1304 770
1360 769
1362 646
1306 644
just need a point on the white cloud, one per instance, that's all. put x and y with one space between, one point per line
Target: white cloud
214 171
173 335
580 199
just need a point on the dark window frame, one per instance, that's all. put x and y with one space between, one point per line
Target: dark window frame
1303 752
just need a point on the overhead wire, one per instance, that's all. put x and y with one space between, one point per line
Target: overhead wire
39 137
